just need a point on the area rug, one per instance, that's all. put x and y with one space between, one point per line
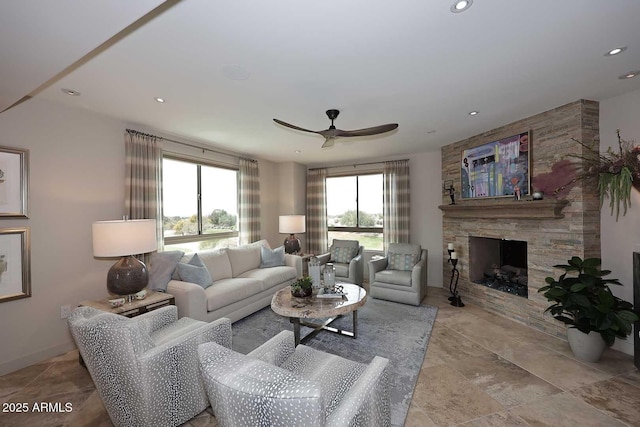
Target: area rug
396 331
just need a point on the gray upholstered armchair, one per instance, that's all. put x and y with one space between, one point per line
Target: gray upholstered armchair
278 384
346 256
401 276
146 368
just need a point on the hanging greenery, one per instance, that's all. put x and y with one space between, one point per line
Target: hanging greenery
616 172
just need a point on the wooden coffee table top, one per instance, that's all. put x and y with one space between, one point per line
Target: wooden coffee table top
318 308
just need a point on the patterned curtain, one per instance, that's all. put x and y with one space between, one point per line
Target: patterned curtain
317 233
396 202
143 180
249 201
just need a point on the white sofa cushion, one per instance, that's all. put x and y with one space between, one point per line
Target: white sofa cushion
216 261
271 277
244 258
227 291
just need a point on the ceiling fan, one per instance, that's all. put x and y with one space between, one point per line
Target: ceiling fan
332 133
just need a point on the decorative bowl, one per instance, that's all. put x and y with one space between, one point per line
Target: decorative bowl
141 295
118 302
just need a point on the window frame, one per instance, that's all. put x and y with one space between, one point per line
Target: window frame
200 237
358 229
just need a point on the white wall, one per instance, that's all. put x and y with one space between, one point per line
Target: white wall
620 239
76 177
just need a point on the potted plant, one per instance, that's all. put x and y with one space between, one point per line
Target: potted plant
302 287
582 299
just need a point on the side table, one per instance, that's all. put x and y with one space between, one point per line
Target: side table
153 301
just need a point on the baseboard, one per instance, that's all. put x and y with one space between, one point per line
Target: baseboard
33 358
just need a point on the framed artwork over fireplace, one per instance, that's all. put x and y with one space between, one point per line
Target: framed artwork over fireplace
497 169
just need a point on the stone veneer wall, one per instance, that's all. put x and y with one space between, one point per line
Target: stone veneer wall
550 241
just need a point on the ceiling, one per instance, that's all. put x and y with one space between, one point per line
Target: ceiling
226 68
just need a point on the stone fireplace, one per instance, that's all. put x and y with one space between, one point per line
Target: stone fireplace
552 230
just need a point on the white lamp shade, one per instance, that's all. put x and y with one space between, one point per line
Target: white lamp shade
291 224
124 237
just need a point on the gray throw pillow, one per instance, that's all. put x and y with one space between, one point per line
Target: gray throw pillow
161 268
195 272
271 258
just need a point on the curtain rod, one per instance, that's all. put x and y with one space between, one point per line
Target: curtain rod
135 132
358 164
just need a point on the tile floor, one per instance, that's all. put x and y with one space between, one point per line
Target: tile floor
480 370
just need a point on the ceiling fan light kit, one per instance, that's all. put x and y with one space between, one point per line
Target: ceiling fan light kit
332 133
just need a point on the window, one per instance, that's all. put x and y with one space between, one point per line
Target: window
354 209
200 205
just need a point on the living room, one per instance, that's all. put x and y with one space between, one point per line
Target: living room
77 176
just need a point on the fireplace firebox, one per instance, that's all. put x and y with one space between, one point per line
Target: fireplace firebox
500 264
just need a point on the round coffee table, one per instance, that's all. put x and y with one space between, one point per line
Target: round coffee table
319 308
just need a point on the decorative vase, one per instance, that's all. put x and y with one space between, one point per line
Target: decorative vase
587 347
302 293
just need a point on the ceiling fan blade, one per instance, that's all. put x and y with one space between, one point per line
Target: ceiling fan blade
280 122
375 130
329 142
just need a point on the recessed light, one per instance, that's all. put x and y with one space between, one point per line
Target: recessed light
629 75
160 100
461 6
616 51
431 131
70 92
298 151
473 113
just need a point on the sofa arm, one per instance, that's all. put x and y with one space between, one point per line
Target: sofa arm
276 350
324 258
368 400
419 273
356 269
294 261
375 266
190 299
157 319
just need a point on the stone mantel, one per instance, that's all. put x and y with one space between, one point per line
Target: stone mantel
506 208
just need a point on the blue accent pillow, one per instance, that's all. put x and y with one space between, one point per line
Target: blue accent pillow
343 254
161 268
195 272
404 262
271 258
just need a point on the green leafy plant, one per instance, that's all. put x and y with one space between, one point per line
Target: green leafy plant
302 286
582 299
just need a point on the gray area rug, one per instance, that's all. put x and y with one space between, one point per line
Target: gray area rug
396 331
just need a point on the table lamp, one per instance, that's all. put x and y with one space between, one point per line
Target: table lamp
292 224
125 238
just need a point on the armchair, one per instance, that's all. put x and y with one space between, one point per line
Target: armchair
346 256
146 368
278 384
401 276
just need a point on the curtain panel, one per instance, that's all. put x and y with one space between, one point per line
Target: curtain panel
317 231
143 180
396 202
249 201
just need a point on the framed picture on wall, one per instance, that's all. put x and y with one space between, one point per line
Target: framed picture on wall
14 183
497 169
15 263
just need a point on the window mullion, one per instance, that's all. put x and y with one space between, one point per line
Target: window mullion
199 175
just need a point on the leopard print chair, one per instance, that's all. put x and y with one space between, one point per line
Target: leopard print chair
146 368
279 385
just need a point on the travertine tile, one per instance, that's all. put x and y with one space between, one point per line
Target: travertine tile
632 377
448 345
62 377
40 416
614 397
501 419
490 336
417 418
552 367
16 381
91 413
563 410
448 398
505 382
